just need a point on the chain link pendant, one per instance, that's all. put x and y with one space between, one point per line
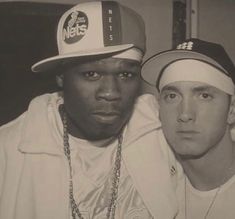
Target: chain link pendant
76 214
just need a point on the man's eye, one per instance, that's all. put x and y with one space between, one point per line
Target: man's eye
126 75
91 75
205 96
170 97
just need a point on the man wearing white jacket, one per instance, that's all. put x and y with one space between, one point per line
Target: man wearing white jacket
93 150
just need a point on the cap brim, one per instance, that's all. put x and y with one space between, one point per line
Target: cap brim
152 67
52 62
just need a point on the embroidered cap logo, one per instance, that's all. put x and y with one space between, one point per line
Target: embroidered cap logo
185 46
75 27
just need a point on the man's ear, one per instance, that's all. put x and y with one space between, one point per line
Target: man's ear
60 80
231 114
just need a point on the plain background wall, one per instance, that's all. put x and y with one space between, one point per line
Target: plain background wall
217 23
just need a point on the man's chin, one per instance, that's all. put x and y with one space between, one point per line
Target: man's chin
192 155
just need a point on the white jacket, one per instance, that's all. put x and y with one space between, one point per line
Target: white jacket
34 172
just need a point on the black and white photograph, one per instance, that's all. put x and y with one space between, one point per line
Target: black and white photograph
117 109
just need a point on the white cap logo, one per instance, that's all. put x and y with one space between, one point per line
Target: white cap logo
185 46
75 27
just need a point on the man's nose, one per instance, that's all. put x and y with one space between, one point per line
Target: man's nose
186 111
109 89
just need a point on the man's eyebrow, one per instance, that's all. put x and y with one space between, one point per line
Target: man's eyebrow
196 89
203 88
170 88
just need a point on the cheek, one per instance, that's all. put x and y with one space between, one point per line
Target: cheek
167 114
215 123
77 89
78 99
168 119
214 116
130 89
213 134
129 93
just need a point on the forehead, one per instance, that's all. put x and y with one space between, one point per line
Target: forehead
104 64
196 71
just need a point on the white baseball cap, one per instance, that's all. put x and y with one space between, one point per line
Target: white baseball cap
97 28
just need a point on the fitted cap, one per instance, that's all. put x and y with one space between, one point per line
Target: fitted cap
195 49
97 28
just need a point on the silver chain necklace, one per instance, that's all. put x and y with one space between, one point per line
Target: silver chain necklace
115 179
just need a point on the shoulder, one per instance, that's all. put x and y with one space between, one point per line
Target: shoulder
43 101
12 132
149 101
147 105
145 115
144 126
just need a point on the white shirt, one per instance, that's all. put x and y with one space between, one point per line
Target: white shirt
198 202
92 172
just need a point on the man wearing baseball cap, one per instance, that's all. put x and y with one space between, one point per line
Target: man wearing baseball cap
196 108
89 151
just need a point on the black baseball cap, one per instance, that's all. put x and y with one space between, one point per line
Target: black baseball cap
208 52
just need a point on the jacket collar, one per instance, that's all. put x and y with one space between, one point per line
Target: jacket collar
150 171
149 159
38 134
42 131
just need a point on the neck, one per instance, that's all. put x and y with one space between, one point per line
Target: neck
212 169
73 130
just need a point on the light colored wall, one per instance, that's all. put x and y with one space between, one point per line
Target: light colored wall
217 23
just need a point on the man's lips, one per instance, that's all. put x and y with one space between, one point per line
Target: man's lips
187 133
106 117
